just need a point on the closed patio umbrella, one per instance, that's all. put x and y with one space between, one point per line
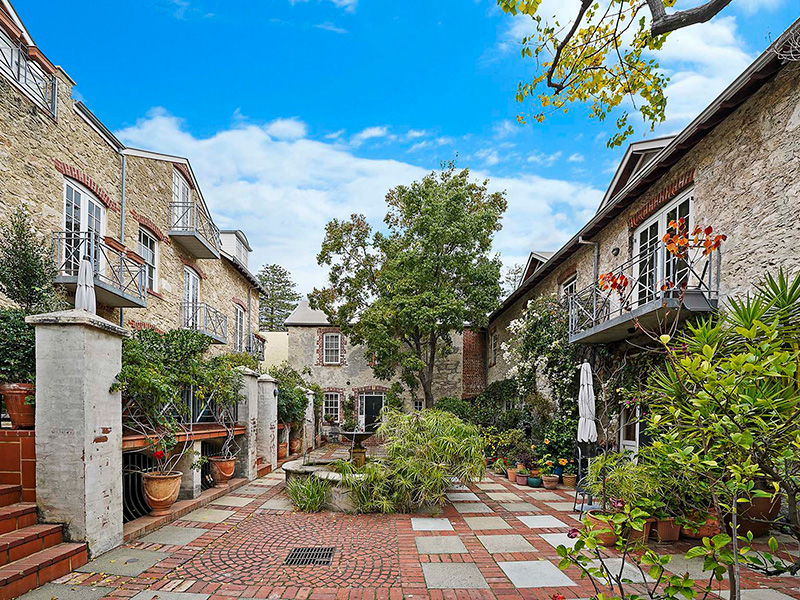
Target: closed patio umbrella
587 430
84 293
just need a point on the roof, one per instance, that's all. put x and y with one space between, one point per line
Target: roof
243 270
636 157
305 316
239 234
752 79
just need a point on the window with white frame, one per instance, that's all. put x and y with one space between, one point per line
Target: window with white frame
148 250
330 405
84 226
239 333
569 286
331 348
419 404
181 202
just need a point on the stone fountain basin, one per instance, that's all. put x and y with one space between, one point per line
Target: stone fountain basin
340 497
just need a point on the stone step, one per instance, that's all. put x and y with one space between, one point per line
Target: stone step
10 494
17 516
20 543
28 573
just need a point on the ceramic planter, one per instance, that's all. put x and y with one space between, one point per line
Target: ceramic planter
667 530
569 480
756 515
161 491
14 394
222 470
708 529
522 479
294 445
512 474
605 538
640 537
283 450
550 481
534 481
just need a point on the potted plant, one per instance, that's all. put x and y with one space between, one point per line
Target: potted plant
292 402
522 476
283 447
511 473
500 467
224 464
534 480
570 474
17 367
549 478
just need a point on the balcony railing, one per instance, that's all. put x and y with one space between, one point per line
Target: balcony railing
205 319
15 62
117 277
191 227
642 288
255 347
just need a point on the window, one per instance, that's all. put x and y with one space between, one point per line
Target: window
330 405
191 298
148 250
419 404
331 348
570 286
241 252
84 226
493 345
239 334
181 202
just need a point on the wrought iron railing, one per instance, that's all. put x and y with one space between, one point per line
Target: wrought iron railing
15 62
652 275
205 319
190 217
255 346
111 266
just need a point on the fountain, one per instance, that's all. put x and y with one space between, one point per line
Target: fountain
358 454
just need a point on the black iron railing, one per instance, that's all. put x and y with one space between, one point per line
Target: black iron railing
15 62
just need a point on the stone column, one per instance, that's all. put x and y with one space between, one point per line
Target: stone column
268 420
247 459
79 426
192 479
308 423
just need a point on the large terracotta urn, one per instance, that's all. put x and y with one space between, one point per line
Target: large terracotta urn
161 491
15 395
222 470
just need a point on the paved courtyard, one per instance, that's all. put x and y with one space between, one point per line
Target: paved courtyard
492 540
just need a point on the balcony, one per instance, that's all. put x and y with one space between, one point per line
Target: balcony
193 229
648 290
118 277
202 318
19 65
255 347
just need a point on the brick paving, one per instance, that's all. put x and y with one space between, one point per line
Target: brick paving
459 556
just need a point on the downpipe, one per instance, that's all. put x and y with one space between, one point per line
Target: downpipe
595 272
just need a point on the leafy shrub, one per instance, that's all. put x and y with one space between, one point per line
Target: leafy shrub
509 444
461 408
559 437
292 400
17 348
308 494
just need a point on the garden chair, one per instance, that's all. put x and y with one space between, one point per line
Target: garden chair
583 453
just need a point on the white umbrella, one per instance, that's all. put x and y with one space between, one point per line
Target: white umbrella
84 293
587 430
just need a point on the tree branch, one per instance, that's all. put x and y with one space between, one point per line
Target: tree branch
663 23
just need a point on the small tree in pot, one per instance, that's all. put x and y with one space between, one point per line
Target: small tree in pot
224 382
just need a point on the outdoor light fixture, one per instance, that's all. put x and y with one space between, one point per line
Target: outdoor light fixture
275 392
615 251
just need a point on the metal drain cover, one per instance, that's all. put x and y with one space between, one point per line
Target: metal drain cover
310 556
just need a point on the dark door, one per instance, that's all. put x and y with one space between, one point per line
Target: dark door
372 411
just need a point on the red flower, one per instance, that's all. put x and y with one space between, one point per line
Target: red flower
573 533
558 597
159 455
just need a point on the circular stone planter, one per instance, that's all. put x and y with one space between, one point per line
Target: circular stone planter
340 497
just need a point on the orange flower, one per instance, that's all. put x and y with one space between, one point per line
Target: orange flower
549 463
546 441
562 461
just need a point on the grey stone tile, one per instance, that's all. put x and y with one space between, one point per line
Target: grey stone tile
440 544
123 561
535 574
519 507
562 506
472 507
458 487
453 576
265 482
61 591
558 539
491 487
497 544
462 497
252 490
177 536
482 523
542 521
545 495
161 595
208 515
629 571
427 524
237 501
277 503
504 496
764 594
679 565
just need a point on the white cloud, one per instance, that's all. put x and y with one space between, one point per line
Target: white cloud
413 134
282 129
546 160
282 192
577 157
753 6
369 133
328 26
489 156
505 128
347 5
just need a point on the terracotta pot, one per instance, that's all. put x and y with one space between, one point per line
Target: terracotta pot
512 474
569 480
708 529
640 537
283 450
534 481
550 481
522 479
519 466
534 472
605 538
295 445
22 415
221 470
161 491
667 531
756 516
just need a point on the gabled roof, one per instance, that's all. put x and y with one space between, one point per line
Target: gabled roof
5 6
305 316
636 157
535 260
762 70
254 281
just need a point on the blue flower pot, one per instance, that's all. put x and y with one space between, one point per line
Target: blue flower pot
534 482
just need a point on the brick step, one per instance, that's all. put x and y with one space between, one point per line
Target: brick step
10 494
17 516
28 573
20 543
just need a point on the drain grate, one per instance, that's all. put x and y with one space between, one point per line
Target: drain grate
310 556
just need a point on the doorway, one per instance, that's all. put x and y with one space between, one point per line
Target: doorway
371 415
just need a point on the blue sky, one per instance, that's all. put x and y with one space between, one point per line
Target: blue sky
295 112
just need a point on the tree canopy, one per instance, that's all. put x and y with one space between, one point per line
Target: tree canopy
603 57
279 300
402 292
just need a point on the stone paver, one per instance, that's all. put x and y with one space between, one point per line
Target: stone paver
504 496
535 574
561 506
124 561
545 495
519 507
485 523
500 544
679 565
462 497
558 539
764 594
542 521
176 536
232 501
440 544
59 591
431 524
277 503
491 487
472 507
208 515
629 571
450 576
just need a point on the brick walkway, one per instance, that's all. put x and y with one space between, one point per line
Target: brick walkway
492 540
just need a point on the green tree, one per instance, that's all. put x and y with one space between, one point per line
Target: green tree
403 292
602 56
279 300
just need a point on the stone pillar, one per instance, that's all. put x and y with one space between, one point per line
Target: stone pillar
247 459
268 420
192 479
309 431
79 426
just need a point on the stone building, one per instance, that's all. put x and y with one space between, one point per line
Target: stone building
159 260
735 168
